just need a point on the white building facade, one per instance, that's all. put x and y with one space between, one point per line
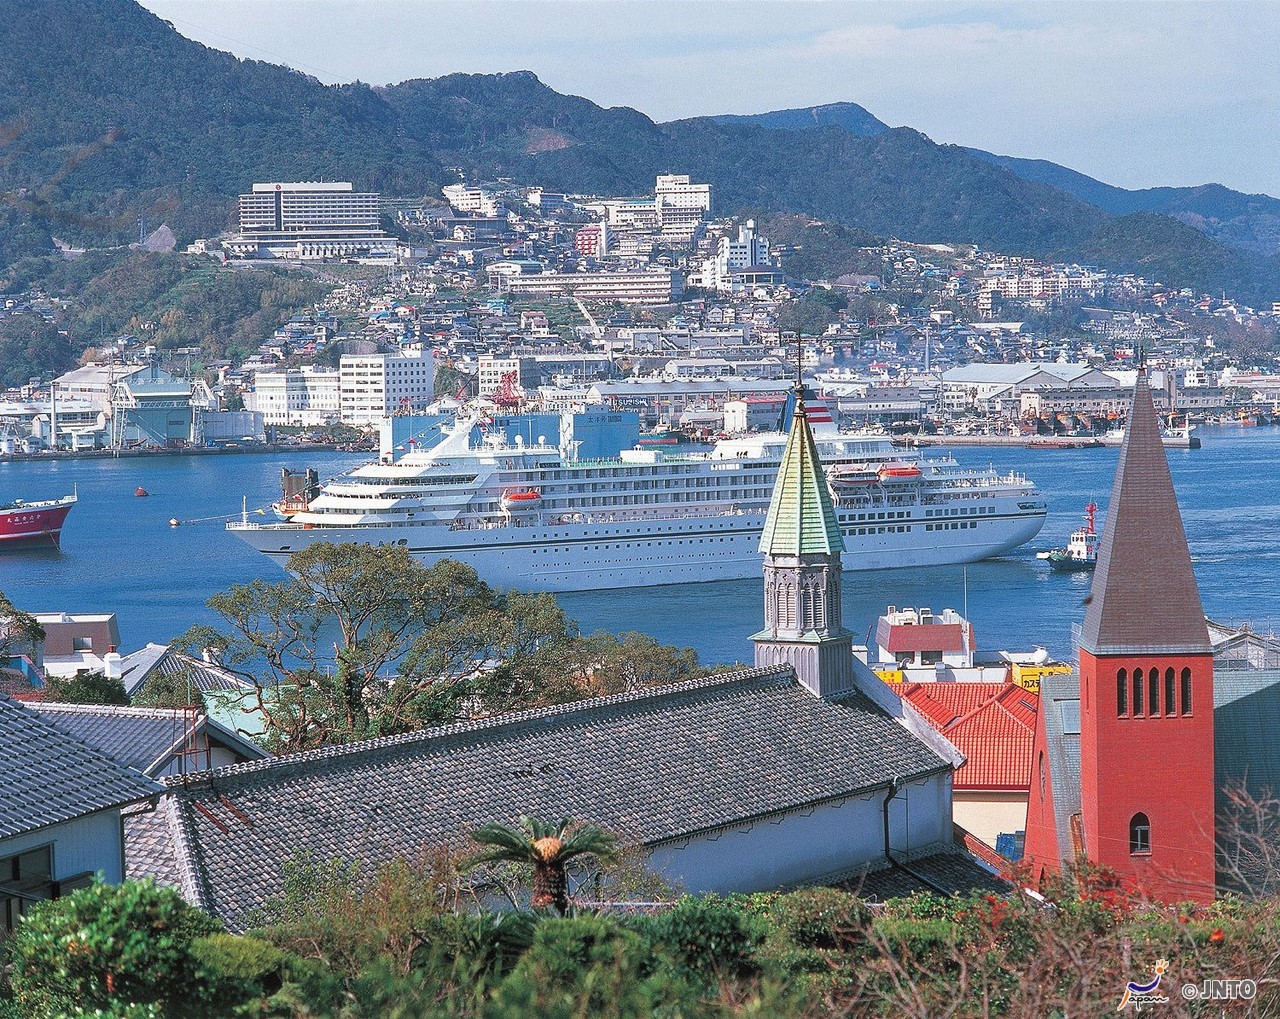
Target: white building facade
681 206
311 220
374 386
304 396
474 201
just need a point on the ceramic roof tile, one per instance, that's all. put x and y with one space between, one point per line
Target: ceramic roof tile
940 873
911 637
48 776
1144 596
161 660
992 724
802 518
653 766
1060 702
141 738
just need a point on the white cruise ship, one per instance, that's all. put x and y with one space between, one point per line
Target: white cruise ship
532 517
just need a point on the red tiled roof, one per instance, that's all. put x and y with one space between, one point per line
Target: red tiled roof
992 724
921 636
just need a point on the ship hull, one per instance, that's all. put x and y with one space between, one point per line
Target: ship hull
33 524
598 556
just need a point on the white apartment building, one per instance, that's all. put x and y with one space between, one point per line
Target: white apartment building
311 220
304 396
741 263
681 207
374 386
629 213
653 287
475 201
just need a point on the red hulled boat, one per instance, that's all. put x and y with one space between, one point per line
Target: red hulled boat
33 523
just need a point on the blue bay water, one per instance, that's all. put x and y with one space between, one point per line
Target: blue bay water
120 555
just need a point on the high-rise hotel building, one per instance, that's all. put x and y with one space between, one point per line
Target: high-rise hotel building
310 220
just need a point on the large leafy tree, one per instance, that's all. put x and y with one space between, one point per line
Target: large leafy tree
549 846
365 641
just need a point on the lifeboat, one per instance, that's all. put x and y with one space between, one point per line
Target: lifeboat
899 472
517 501
852 479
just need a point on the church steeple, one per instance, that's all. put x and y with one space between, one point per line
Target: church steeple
802 543
1144 551
1146 685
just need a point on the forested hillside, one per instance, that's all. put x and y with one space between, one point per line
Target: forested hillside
166 300
109 115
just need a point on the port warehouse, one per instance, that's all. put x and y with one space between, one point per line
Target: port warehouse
124 405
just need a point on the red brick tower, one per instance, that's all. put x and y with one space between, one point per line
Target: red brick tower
1146 685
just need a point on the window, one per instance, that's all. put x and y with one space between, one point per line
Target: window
1185 708
1139 835
1153 692
1170 706
25 879
1122 692
1137 691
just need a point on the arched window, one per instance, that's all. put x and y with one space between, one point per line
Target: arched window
1170 704
1153 692
1186 692
1041 763
1139 835
1122 692
1137 691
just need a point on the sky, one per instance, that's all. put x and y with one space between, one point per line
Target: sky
1137 94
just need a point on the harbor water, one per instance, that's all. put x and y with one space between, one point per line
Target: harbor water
119 554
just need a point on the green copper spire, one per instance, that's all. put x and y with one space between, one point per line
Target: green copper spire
802 520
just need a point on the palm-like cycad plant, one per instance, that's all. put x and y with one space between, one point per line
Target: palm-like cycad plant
549 847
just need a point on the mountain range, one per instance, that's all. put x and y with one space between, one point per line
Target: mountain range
108 115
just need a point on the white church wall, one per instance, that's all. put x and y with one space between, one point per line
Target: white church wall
809 846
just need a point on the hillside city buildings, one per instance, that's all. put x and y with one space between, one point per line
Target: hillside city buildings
647 303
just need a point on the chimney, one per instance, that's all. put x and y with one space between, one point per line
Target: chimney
112 664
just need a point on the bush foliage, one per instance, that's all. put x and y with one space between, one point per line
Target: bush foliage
409 943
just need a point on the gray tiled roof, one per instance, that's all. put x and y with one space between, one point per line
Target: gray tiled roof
653 766
48 776
1246 730
936 874
141 738
1060 699
151 849
160 659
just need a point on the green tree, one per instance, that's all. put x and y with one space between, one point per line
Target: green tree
110 945
549 848
605 664
31 347
808 316
86 688
366 641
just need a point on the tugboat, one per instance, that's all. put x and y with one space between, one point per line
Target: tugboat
1081 552
33 523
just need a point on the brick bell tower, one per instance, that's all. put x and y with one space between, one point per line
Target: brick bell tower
1146 685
